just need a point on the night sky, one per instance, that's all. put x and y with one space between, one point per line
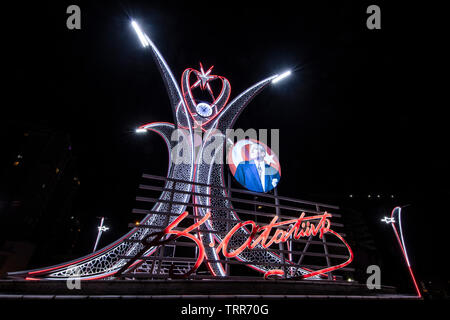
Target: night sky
361 113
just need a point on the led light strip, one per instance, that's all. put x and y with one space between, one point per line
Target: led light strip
401 242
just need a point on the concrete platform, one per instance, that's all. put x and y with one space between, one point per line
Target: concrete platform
160 289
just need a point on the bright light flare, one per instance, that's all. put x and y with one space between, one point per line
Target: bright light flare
141 130
282 76
388 220
142 36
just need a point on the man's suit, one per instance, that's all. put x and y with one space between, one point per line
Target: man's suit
247 175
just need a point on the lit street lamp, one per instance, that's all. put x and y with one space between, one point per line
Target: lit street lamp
101 229
282 76
397 211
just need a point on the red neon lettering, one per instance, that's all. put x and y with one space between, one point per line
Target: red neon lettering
280 235
185 233
227 238
276 272
300 227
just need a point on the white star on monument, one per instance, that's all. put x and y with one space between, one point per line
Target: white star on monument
203 78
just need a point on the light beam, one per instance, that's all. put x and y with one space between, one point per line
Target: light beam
282 76
141 35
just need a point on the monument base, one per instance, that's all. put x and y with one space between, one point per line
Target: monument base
194 288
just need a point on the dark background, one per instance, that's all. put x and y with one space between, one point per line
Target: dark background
361 115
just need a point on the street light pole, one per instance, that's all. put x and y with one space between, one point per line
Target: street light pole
101 229
397 211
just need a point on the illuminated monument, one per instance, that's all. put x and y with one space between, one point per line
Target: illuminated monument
275 246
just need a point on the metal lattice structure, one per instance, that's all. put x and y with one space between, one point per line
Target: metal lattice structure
292 255
196 183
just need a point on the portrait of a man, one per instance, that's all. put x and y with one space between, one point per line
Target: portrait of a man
255 174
